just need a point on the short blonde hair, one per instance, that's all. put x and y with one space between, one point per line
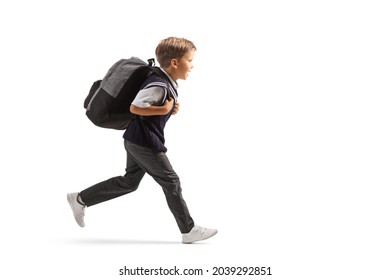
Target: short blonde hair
172 47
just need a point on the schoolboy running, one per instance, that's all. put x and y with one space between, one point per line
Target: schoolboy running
145 143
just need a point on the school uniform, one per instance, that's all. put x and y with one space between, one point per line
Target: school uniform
146 153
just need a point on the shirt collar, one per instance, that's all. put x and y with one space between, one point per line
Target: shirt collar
175 85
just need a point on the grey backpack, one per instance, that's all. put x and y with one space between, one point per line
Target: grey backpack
108 102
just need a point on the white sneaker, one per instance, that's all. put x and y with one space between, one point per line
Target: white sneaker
198 233
77 208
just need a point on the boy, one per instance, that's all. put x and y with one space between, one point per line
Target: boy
144 142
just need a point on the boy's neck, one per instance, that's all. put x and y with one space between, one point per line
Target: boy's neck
169 72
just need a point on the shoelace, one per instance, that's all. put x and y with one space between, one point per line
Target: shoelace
202 230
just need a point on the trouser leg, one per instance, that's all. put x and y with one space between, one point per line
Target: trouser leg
158 166
116 186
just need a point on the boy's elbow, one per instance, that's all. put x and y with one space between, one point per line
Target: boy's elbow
133 109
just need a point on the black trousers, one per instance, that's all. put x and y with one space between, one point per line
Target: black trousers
141 160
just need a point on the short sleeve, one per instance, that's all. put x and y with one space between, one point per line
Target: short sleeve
148 97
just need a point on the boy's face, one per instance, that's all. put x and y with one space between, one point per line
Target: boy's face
184 65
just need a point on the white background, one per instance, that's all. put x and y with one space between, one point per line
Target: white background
282 141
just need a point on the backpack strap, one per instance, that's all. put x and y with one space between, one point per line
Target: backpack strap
159 72
170 86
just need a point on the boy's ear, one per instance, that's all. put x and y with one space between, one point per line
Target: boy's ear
174 62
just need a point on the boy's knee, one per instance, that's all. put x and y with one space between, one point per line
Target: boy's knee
130 184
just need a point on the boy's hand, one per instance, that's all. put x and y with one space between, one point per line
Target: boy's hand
168 104
176 109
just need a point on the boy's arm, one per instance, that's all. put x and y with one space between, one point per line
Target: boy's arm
153 110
